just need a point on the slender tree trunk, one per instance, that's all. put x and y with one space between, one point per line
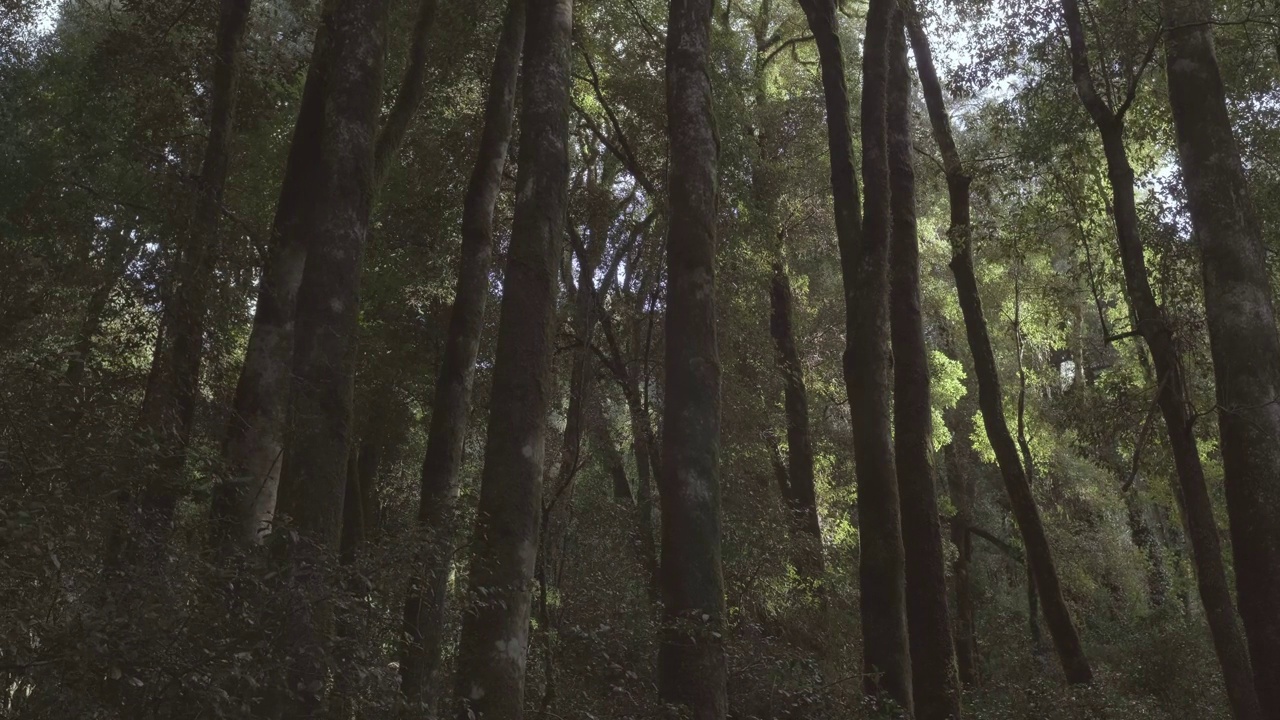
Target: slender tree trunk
610 456
990 399
413 87
1243 339
935 682
961 487
801 497
495 629
643 446
425 602
313 481
253 451
691 663
168 407
864 267
1190 489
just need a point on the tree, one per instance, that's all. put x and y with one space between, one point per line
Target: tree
864 255
425 601
253 450
935 682
168 407
691 664
169 404
799 493
1039 556
1241 320
314 476
1192 491
492 651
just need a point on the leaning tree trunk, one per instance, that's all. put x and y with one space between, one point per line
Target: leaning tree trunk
990 399
314 476
425 602
935 683
864 267
495 629
691 662
168 407
801 498
1243 339
253 450
1191 490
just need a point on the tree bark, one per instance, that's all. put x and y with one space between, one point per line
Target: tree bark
935 682
253 451
800 495
168 407
1190 488
427 594
313 480
492 652
990 399
864 267
1243 339
254 447
413 87
691 662
961 488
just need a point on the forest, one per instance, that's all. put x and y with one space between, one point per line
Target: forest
639 359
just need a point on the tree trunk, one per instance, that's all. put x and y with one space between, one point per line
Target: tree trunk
253 451
313 480
610 457
935 683
864 267
691 663
168 407
961 487
800 495
413 87
425 601
1190 490
492 652
1243 339
990 399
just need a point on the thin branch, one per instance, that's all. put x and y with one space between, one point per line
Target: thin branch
1132 91
1142 437
789 43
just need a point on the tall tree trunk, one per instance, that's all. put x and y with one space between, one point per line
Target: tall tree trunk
691 663
935 682
495 630
425 601
253 451
314 477
800 496
868 371
1190 489
168 407
961 488
864 267
1243 339
990 399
